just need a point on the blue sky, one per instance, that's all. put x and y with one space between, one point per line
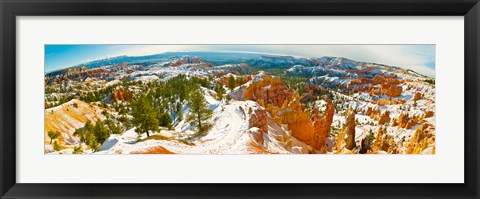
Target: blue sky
61 56
420 58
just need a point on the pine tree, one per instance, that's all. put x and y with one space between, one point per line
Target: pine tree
101 132
53 135
231 82
165 120
57 146
77 150
145 115
220 90
199 112
179 111
239 81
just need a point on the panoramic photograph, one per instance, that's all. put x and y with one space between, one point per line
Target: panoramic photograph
239 99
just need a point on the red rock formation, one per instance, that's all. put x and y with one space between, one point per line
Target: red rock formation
409 87
391 90
311 91
394 122
384 118
239 80
378 143
419 140
258 118
247 78
383 102
384 142
346 137
417 96
350 131
405 121
322 125
300 125
284 105
257 135
358 81
153 150
271 90
310 129
389 85
378 116
428 114
375 113
182 61
399 101
365 144
120 94
369 111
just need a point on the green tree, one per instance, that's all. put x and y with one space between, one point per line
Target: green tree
123 111
93 142
163 111
112 127
57 146
145 115
88 131
239 81
199 112
78 149
165 120
178 111
53 135
220 90
231 82
101 132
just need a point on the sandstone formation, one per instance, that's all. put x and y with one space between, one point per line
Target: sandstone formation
346 137
349 130
384 142
270 90
381 84
311 91
189 60
120 94
428 114
258 118
284 105
257 135
70 116
365 145
406 121
417 96
419 141
239 80
384 102
378 116
384 118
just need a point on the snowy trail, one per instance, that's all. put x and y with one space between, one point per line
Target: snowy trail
226 136
234 124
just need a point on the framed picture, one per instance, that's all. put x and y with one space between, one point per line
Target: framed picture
201 99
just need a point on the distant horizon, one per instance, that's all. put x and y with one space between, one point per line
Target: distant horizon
239 52
419 58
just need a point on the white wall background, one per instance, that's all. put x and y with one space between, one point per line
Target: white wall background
445 166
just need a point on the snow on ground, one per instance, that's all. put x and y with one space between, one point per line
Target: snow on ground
230 132
228 135
113 82
146 78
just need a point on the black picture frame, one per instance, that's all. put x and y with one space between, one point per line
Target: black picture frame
9 9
